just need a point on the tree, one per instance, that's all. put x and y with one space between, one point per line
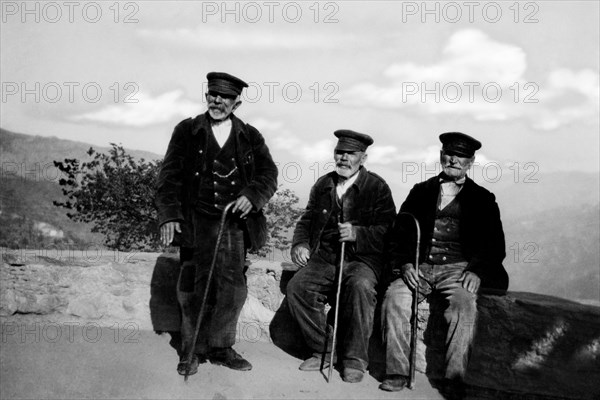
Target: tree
115 193
282 214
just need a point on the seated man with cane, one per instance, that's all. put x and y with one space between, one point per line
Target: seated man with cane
461 248
353 206
213 160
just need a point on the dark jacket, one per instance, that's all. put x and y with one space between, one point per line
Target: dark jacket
481 233
368 205
178 179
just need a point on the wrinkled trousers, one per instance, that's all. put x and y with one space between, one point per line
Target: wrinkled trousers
315 285
227 292
460 315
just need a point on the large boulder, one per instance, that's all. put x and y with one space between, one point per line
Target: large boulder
534 344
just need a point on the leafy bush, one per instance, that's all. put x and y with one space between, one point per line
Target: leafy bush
115 193
282 213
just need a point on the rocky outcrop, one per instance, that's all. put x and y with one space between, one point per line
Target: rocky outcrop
526 345
534 344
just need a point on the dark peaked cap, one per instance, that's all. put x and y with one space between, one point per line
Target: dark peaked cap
459 143
223 83
352 141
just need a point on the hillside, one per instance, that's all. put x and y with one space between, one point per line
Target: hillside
29 182
38 151
556 252
552 226
28 218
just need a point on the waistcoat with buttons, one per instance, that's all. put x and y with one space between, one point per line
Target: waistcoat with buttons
220 181
445 244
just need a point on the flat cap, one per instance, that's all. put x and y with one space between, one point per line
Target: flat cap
352 141
460 143
224 83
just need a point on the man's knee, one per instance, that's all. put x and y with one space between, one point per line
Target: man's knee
396 306
360 285
463 305
398 297
295 288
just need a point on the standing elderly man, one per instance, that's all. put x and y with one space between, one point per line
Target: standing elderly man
462 248
354 206
212 160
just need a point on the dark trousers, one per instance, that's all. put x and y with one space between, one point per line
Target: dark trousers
460 314
315 285
227 292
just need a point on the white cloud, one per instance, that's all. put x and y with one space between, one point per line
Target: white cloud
281 138
147 111
469 56
469 62
585 83
263 124
209 37
319 150
485 79
386 155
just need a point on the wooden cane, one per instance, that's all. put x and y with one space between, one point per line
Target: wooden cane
337 307
205 296
415 311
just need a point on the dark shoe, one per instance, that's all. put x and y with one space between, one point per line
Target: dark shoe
193 366
453 388
314 363
229 358
393 383
352 375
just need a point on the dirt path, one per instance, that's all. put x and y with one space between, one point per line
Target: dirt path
74 361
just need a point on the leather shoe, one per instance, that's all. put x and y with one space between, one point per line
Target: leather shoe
453 388
352 375
193 368
314 363
393 383
229 358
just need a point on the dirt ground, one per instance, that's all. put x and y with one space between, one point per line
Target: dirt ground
70 360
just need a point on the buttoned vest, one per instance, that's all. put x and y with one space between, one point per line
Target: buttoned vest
445 245
220 180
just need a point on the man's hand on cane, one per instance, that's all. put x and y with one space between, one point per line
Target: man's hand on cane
347 232
409 275
243 205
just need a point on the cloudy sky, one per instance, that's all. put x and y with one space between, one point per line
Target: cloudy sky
522 77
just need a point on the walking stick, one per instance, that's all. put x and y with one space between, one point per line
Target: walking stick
337 307
415 311
205 296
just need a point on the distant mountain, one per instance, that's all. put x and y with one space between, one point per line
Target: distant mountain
28 218
548 191
39 151
551 220
29 184
556 252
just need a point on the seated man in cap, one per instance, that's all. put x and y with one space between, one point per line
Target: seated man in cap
461 249
354 206
212 160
